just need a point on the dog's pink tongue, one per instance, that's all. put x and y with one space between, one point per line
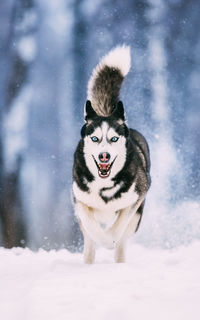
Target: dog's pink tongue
103 166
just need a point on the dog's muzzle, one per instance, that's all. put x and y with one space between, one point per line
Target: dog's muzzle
104 167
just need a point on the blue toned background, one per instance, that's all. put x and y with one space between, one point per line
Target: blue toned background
48 49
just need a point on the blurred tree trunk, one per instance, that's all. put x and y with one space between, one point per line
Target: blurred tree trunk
6 12
80 74
13 230
12 225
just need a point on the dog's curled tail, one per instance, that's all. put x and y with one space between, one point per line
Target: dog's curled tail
106 79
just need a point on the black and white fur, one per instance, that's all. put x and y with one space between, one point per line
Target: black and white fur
111 163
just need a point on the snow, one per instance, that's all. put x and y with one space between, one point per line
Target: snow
153 284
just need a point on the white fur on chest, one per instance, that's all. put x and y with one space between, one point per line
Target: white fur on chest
94 200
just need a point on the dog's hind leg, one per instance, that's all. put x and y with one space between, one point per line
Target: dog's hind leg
120 251
140 212
132 227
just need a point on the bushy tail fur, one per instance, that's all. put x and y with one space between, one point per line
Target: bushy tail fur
105 82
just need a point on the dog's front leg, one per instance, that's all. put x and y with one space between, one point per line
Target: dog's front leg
92 227
125 217
89 248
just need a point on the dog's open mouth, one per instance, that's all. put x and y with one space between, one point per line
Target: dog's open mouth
104 169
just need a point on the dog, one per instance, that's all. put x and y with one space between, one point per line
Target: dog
111 171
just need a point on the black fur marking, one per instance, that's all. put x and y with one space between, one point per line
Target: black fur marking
115 196
83 131
81 173
140 212
90 113
118 111
141 143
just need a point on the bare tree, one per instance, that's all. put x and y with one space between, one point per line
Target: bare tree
12 75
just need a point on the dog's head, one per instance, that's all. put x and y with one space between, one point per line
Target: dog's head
104 141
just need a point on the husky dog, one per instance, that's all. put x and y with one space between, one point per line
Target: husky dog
111 163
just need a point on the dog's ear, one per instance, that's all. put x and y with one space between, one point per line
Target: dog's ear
118 111
89 111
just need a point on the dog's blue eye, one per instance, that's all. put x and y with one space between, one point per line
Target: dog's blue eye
94 139
114 139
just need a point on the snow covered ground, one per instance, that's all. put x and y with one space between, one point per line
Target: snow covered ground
153 284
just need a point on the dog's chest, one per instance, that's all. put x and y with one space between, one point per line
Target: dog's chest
104 198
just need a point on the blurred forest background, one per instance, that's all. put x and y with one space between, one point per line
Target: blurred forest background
48 49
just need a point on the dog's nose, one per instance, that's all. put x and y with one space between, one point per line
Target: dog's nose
104 156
